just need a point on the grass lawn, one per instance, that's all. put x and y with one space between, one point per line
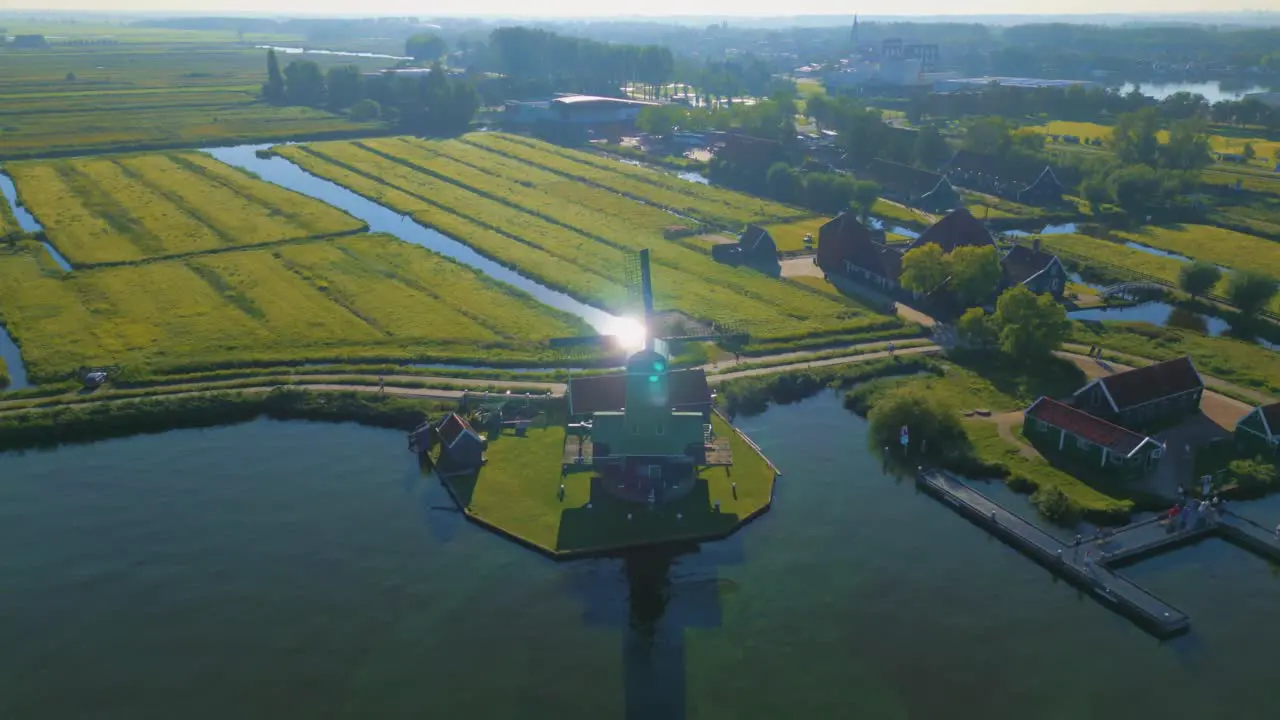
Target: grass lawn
901 214
1265 149
988 446
518 491
4 374
789 237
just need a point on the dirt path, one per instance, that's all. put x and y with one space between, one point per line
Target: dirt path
1005 423
923 350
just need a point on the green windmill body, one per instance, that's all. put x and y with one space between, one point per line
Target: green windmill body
647 430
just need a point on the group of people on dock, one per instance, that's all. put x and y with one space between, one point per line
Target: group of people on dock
1194 513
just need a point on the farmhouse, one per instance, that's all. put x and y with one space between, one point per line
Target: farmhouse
755 248
461 448
957 229
1038 271
912 186
1260 429
574 116
1004 177
1060 430
1166 390
847 247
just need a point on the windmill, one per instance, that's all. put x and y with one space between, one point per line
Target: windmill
640 295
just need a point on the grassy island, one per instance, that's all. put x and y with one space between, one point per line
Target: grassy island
517 494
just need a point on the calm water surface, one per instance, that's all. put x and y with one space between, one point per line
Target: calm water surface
1166 315
274 570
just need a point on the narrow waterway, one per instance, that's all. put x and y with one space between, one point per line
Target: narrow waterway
277 569
12 357
382 219
26 221
1166 315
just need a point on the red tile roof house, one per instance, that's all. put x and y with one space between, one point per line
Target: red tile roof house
1059 430
1260 429
1155 394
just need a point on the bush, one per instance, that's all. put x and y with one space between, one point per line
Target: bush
1253 476
1054 505
365 110
934 426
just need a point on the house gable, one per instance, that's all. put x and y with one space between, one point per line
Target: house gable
1155 382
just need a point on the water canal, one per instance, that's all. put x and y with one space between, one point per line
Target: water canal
383 219
1166 315
275 569
12 357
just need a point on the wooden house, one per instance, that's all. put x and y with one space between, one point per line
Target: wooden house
908 185
755 248
1070 434
687 391
958 229
1038 271
461 447
1260 429
1014 178
1155 393
847 247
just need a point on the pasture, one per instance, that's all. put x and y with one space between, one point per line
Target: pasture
573 236
151 93
1216 245
112 209
1265 150
361 297
789 237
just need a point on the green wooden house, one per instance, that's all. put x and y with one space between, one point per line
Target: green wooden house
1159 393
1260 429
1061 431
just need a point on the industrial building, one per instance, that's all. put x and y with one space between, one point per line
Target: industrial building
573 116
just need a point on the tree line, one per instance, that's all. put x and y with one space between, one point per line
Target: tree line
427 102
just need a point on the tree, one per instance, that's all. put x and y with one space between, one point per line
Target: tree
1031 326
1133 139
783 182
1137 189
989 136
70 77
344 86
365 111
660 120
303 83
931 149
924 268
1250 291
1198 278
865 194
1188 146
1248 152
273 88
975 273
933 425
424 46
975 329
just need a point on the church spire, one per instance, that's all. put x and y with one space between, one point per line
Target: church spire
853 32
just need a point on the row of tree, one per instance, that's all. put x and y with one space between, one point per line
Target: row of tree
428 103
1247 290
577 64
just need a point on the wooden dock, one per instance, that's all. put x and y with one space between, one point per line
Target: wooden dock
1091 563
1080 564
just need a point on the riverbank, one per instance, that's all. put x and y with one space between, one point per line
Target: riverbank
99 421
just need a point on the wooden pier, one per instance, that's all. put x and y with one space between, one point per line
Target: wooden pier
1090 563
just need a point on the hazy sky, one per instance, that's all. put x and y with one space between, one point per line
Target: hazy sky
739 8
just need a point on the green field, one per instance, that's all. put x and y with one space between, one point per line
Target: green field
705 203
570 235
357 297
8 223
137 207
1210 244
789 236
161 89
